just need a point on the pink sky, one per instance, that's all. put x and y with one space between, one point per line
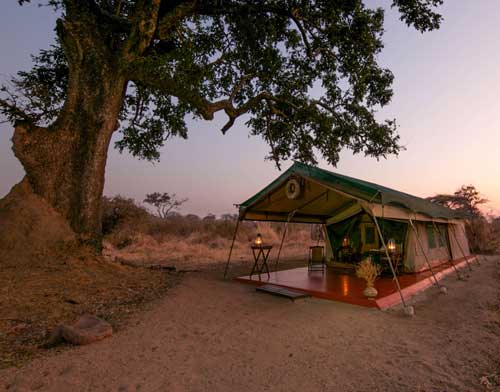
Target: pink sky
447 94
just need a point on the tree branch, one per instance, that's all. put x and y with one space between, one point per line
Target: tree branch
144 25
11 110
302 32
116 22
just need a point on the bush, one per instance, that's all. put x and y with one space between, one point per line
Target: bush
119 211
480 234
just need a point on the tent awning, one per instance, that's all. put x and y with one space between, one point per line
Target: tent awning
327 194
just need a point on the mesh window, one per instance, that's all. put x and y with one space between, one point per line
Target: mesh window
431 239
370 235
442 236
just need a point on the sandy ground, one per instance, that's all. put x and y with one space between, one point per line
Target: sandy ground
211 335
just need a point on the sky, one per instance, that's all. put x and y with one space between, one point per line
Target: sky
446 101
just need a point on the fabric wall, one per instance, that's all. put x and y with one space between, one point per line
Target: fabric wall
436 241
458 239
433 243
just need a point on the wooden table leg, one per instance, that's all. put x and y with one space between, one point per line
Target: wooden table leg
264 262
255 267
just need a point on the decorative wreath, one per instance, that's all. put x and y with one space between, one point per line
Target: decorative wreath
292 189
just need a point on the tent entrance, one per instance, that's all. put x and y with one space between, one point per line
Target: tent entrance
356 238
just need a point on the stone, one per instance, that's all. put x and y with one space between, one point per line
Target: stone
410 311
86 330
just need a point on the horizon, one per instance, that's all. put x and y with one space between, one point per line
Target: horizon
446 90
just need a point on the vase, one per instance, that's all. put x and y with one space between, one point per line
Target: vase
370 292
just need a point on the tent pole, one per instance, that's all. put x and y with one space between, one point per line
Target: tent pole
449 250
290 216
395 278
460 247
232 245
425 254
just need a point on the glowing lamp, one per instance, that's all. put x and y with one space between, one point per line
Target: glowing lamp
258 240
391 245
345 242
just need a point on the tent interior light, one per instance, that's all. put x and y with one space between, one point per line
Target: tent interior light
391 245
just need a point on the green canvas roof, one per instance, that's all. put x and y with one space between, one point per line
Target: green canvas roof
358 189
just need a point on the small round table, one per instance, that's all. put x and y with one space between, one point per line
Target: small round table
257 251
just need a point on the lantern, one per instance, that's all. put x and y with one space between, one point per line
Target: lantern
391 245
258 240
345 242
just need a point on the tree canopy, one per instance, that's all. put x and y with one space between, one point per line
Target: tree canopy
303 74
467 200
164 203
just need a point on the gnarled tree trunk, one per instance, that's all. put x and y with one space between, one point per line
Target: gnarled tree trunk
65 163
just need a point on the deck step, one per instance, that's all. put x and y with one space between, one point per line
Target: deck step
282 292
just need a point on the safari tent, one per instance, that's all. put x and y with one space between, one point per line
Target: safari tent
363 217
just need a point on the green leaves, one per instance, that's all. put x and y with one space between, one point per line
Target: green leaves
305 73
40 93
419 13
149 121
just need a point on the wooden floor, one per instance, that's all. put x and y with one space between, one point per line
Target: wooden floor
337 286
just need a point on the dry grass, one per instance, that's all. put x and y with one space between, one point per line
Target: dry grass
135 235
200 247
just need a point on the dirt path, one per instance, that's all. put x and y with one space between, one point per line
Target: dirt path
211 335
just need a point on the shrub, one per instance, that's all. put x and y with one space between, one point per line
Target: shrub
118 211
480 234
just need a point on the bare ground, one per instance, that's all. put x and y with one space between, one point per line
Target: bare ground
210 334
36 297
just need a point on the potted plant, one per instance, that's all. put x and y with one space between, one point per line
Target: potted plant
369 272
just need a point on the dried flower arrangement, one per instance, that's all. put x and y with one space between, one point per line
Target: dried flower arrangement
368 271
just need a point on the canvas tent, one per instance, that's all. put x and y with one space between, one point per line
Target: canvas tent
427 233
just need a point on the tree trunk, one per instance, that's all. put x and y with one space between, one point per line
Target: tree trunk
65 163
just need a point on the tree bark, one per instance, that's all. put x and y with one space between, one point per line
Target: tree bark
65 163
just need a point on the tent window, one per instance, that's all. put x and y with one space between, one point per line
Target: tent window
430 236
442 236
370 234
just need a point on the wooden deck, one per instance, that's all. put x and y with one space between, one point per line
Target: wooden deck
341 287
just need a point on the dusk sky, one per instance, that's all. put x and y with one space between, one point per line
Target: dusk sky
446 100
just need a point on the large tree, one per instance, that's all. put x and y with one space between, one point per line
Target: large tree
466 200
304 73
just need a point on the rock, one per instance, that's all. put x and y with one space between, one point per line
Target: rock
86 330
410 311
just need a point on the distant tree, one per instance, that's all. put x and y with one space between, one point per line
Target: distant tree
495 224
466 200
210 218
229 217
141 68
317 233
164 203
192 217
